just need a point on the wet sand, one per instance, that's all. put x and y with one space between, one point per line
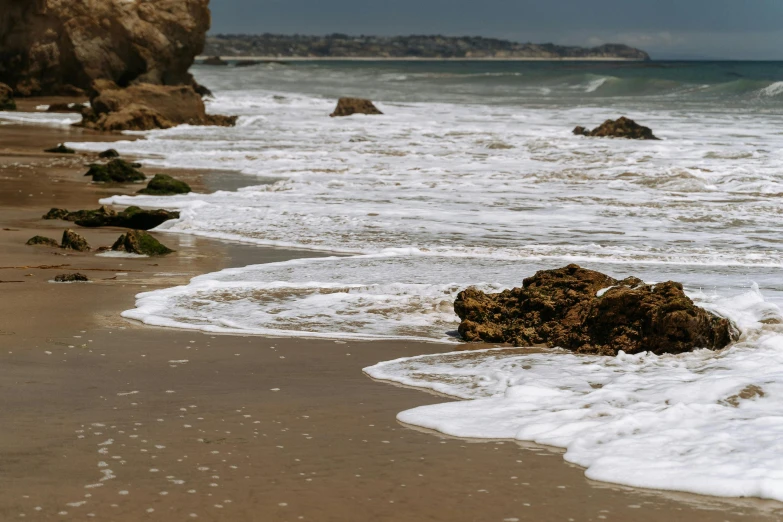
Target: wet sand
104 419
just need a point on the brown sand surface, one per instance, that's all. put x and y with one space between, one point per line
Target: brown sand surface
104 419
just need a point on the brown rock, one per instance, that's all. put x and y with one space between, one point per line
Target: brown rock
60 47
145 106
348 106
7 102
140 242
561 308
43 241
620 128
73 241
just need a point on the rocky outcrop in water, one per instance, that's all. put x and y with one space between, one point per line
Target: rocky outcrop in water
131 217
73 241
60 47
592 313
165 185
142 243
619 128
7 102
349 106
146 106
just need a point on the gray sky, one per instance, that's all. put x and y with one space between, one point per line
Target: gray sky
738 29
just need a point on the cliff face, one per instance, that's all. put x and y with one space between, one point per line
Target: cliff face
61 46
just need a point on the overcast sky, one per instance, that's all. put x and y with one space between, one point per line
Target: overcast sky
738 29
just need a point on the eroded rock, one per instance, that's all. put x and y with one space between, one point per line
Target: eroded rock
619 128
43 241
592 313
73 241
140 242
116 171
146 106
349 106
165 185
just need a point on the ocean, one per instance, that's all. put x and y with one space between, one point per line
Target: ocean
473 177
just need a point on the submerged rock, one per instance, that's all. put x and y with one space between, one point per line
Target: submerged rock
73 241
348 106
54 47
71 278
109 154
116 171
43 241
140 242
620 128
7 102
60 149
165 185
131 217
215 60
589 312
146 106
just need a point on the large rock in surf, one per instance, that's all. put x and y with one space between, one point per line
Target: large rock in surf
145 106
620 128
116 171
131 217
140 242
589 312
73 241
52 47
349 106
165 185
7 102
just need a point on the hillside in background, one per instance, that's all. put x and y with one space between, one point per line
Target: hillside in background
344 46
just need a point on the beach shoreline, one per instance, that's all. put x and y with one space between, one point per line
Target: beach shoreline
108 417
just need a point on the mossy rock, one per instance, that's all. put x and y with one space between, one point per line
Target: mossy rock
73 241
71 278
56 213
140 242
60 149
109 154
116 171
165 185
43 241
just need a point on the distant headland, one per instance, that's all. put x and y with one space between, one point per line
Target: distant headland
424 47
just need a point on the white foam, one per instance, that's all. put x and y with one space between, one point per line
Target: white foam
39 118
704 422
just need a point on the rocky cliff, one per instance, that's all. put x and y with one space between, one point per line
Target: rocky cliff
61 46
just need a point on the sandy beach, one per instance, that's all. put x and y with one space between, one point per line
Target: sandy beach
105 419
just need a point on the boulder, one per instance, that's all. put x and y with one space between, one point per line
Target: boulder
71 278
620 128
66 107
140 242
165 185
146 106
348 106
215 60
43 241
61 213
50 47
7 102
109 154
116 171
131 217
592 313
60 149
73 241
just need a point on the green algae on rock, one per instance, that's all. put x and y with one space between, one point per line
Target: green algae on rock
43 241
116 171
165 185
140 242
73 241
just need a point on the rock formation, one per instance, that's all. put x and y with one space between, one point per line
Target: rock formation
592 313
139 242
43 241
71 278
73 241
109 154
7 102
60 149
146 106
116 171
348 106
60 47
165 185
131 217
620 128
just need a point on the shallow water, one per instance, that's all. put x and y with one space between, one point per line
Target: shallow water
472 177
